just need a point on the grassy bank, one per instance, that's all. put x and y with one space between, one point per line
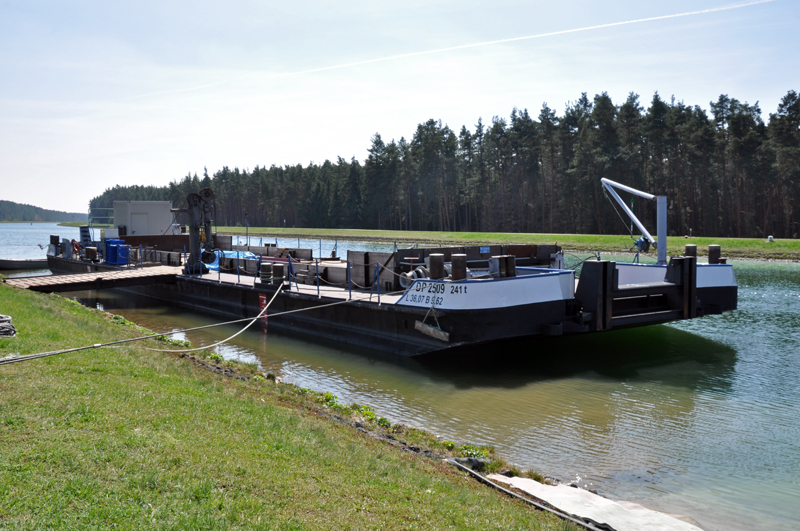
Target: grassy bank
128 438
731 247
84 223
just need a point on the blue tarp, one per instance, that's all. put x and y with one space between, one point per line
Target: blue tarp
214 266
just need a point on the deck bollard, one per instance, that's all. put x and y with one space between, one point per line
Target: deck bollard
436 267
458 264
713 254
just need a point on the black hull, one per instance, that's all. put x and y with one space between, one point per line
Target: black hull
366 325
394 329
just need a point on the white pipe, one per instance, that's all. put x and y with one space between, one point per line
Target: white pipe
607 186
628 189
661 215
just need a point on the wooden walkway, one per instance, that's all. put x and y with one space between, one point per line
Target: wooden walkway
98 280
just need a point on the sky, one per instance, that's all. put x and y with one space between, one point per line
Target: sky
97 93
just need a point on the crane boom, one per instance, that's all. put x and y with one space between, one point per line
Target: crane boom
661 215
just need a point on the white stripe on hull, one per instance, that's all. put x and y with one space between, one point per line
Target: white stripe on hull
490 293
708 275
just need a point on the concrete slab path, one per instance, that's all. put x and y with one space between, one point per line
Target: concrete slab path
622 516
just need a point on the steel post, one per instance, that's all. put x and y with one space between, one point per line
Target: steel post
661 228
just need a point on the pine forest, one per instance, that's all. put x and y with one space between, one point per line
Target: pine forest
725 172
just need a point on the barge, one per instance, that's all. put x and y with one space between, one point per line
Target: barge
417 301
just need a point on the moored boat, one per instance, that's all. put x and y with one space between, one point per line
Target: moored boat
416 301
11 264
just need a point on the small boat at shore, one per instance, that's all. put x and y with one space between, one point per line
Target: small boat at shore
12 264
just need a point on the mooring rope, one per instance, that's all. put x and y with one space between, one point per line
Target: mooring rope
257 317
7 361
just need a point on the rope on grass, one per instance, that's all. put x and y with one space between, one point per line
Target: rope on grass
9 360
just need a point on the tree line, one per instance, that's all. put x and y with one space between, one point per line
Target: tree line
725 172
10 211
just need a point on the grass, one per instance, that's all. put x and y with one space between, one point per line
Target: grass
133 439
783 249
85 223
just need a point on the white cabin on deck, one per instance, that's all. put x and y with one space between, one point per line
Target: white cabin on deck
144 218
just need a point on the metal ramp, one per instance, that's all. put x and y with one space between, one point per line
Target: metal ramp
608 305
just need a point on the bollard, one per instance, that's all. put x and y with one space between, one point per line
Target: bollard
713 254
691 250
278 271
436 266
511 265
266 273
459 265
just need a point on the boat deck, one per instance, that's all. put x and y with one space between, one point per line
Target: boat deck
325 292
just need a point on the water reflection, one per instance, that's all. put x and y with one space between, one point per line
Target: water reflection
681 359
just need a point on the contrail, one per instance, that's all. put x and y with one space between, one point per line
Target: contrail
527 37
474 45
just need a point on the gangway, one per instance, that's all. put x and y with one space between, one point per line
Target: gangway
97 280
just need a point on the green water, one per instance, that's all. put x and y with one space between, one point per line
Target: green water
699 418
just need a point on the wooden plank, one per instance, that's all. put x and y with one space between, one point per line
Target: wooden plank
99 280
428 330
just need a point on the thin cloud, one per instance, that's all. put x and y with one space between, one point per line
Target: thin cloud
466 46
527 37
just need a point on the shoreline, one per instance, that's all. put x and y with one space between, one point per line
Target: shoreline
732 248
360 419
132 400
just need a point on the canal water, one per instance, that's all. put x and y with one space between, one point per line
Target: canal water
700 418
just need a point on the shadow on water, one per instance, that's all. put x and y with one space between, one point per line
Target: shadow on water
662 353
671 356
